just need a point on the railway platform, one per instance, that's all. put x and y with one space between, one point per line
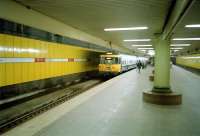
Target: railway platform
115 108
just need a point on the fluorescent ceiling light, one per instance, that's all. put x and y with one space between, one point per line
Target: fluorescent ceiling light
136 40
141 45
192 57
145 48
109 53
126 28
151 52
193 25
180 44
176 48
186 39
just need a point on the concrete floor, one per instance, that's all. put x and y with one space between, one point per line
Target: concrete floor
115 108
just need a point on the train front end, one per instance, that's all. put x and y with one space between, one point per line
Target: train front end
109 64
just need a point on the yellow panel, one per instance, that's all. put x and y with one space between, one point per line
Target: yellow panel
8 43
24 72
43 49
65 51
51 51
2 74
63 55
61 68
66 68
32 45
17 46
42 70
37 70
31 75
48 49
24 47
2 47
37 46
52 69
47 69
56 69
9 70
17 73
57 50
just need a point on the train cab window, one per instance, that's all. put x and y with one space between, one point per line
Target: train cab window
109 60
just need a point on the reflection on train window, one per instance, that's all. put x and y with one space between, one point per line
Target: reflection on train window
109 60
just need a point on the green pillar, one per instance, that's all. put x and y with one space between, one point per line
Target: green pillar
161 92
162 65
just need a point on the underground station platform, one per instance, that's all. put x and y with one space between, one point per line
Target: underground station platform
116 108
99 68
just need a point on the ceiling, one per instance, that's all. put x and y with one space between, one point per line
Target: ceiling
191 17
92 16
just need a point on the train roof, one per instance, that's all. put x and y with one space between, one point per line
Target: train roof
123 56
110 55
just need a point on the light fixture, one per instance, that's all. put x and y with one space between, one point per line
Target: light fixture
151 52
193 25
186 39
192 57
126 28
145 48
176 48
109 53
141 45
137 40
180 44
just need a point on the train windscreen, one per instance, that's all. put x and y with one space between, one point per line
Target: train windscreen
109 60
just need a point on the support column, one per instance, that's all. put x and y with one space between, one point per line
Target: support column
162 65
161 92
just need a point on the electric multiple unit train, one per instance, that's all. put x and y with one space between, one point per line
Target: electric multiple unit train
118 63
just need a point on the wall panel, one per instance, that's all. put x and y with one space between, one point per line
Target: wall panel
31 59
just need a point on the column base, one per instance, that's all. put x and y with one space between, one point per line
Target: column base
168 98
151 78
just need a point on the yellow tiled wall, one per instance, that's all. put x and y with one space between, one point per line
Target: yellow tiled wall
192 61
20 47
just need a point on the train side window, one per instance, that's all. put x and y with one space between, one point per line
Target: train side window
102 60
115 60
119 60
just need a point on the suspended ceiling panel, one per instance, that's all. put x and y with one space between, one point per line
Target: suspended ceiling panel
92 16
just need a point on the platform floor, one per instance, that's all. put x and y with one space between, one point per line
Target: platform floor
115 108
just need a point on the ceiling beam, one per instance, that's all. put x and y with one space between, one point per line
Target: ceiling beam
177 12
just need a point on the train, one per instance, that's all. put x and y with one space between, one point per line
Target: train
114 64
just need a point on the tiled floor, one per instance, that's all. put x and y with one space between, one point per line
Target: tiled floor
117 109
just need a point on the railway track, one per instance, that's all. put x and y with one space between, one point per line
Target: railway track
13 122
